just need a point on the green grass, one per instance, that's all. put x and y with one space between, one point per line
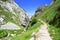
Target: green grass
5 32
13 31
49 13
27 35
54 32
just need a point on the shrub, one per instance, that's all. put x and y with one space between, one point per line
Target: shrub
58 8
56 20
34 21
3 33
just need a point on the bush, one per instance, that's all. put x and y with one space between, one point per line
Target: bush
3 33
56 20
58 8
34 21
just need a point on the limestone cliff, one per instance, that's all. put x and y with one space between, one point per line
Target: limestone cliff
11 12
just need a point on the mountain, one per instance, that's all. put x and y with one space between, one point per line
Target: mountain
50 14
44 24
11 12
45 21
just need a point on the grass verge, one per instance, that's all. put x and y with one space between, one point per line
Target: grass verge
54 32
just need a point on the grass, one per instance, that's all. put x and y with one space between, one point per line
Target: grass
49 13
3 33
13 31
54 32
6 32
27 35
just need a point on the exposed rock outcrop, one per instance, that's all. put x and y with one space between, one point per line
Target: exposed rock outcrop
13 13
39 10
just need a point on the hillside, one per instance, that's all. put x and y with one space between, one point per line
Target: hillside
51 14
48 14
12 18
44 24
11 12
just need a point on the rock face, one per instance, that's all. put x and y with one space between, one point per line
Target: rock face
39 10
12 13
10 26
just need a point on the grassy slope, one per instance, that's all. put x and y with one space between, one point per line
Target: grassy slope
6 32
54 32
48 14
27 35
8 18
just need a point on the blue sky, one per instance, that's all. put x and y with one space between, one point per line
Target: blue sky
31 5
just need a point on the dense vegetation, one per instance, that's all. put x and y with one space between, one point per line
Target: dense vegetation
54 32
27 35
3 33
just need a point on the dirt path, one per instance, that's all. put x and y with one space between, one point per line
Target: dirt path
42 33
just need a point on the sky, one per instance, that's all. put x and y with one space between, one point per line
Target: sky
31 5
